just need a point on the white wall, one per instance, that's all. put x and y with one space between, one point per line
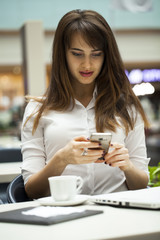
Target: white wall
141 46
11 49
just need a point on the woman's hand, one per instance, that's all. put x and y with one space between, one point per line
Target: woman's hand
118 157
72 152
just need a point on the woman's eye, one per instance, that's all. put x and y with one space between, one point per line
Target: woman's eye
96 54
77 54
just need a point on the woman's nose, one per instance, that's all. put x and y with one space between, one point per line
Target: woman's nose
87 62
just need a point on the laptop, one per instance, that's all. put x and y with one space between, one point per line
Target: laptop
144 198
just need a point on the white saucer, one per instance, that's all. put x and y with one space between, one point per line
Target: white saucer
49 201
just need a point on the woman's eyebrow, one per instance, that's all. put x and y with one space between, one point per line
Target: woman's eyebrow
77 49
94 50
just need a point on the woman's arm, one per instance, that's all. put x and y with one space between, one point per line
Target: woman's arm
119 157
136 178
131 158
38 186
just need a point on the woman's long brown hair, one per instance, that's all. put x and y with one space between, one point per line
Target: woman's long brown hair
115 97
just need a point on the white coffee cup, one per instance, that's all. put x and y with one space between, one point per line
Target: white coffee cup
64 188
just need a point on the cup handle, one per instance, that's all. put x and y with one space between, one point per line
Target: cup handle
79 184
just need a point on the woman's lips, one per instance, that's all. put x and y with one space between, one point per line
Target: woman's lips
86 74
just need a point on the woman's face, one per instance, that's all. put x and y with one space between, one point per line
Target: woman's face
84 62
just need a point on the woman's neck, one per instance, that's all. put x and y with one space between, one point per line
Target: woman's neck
84 94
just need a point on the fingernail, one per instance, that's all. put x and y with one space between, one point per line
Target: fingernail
101 158
88 138
100 144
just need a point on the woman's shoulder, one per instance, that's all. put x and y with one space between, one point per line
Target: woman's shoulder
33 105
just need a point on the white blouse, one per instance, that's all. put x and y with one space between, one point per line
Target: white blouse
57 128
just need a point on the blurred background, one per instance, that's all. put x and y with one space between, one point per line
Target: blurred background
26 34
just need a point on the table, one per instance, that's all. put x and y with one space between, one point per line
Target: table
113 224
8 171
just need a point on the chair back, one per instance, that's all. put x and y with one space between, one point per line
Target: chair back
10 155
16 191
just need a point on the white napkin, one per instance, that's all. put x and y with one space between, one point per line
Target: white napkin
48 211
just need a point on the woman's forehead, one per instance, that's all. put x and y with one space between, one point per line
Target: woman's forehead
82 41
78 39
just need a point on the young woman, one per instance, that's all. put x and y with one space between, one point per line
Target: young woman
88 92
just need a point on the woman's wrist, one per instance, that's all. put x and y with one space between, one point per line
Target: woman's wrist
58 163
129 168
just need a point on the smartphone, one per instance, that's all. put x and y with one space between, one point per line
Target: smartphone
103 138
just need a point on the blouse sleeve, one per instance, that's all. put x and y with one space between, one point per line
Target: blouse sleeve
32 147
136 145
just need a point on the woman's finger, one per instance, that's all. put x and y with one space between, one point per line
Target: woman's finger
80 138
118 164
89 145
116 145
118 158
